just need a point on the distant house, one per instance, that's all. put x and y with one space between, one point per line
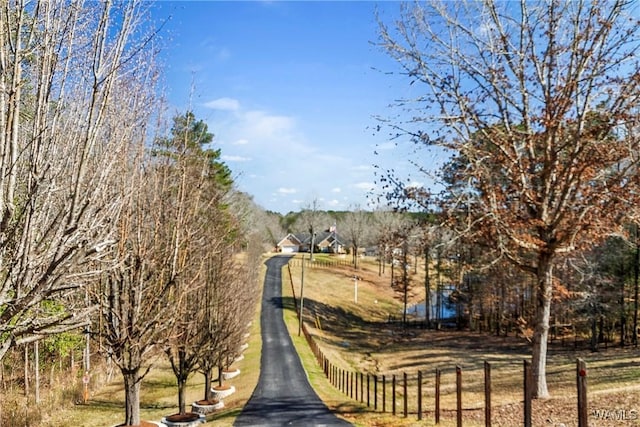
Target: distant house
289 244
324 242
329 243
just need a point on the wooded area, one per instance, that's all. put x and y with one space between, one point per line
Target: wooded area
121 236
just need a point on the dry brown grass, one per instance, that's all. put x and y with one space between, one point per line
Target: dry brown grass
358 338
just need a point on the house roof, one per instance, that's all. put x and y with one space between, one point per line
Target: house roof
290 239
305 238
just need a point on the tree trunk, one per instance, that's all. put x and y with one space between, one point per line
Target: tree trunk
438 314
541 332
355 257
207 384
392 272
405 282
594 333
36 368
636 276
503 296
601 329
131 397
623 315
182 382
26 370
427 288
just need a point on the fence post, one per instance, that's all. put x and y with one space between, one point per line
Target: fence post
527 393
361 387
351 385
487 394
375 392
331 374
581 381
356 386
393 394
384 394
336 383
437 396
368 400
458 396
419 395
345 380
404 391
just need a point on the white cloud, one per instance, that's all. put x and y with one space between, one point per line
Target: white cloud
365 185
267 125
235 158
389 145
224 104
282 190
336 190
415 184
241 141
333 203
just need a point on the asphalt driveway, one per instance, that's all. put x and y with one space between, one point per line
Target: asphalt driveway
283 396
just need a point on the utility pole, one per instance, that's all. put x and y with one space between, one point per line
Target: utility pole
313 236
301 298
355 289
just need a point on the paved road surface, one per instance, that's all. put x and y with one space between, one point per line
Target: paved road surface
283 396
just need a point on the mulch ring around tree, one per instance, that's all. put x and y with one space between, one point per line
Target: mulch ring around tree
183 420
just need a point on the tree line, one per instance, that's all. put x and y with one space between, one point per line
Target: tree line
118 228
535 105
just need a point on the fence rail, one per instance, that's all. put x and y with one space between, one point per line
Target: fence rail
321 263
373 389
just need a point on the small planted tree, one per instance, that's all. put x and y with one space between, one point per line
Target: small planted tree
203 182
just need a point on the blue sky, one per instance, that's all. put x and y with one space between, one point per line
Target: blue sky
290 90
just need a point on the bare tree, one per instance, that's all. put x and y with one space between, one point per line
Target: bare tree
136 297
355 227
186 343
196 184
533 100
384 224
144 297
312 220
62 65
218 295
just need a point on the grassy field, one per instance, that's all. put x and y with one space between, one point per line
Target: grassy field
357 337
